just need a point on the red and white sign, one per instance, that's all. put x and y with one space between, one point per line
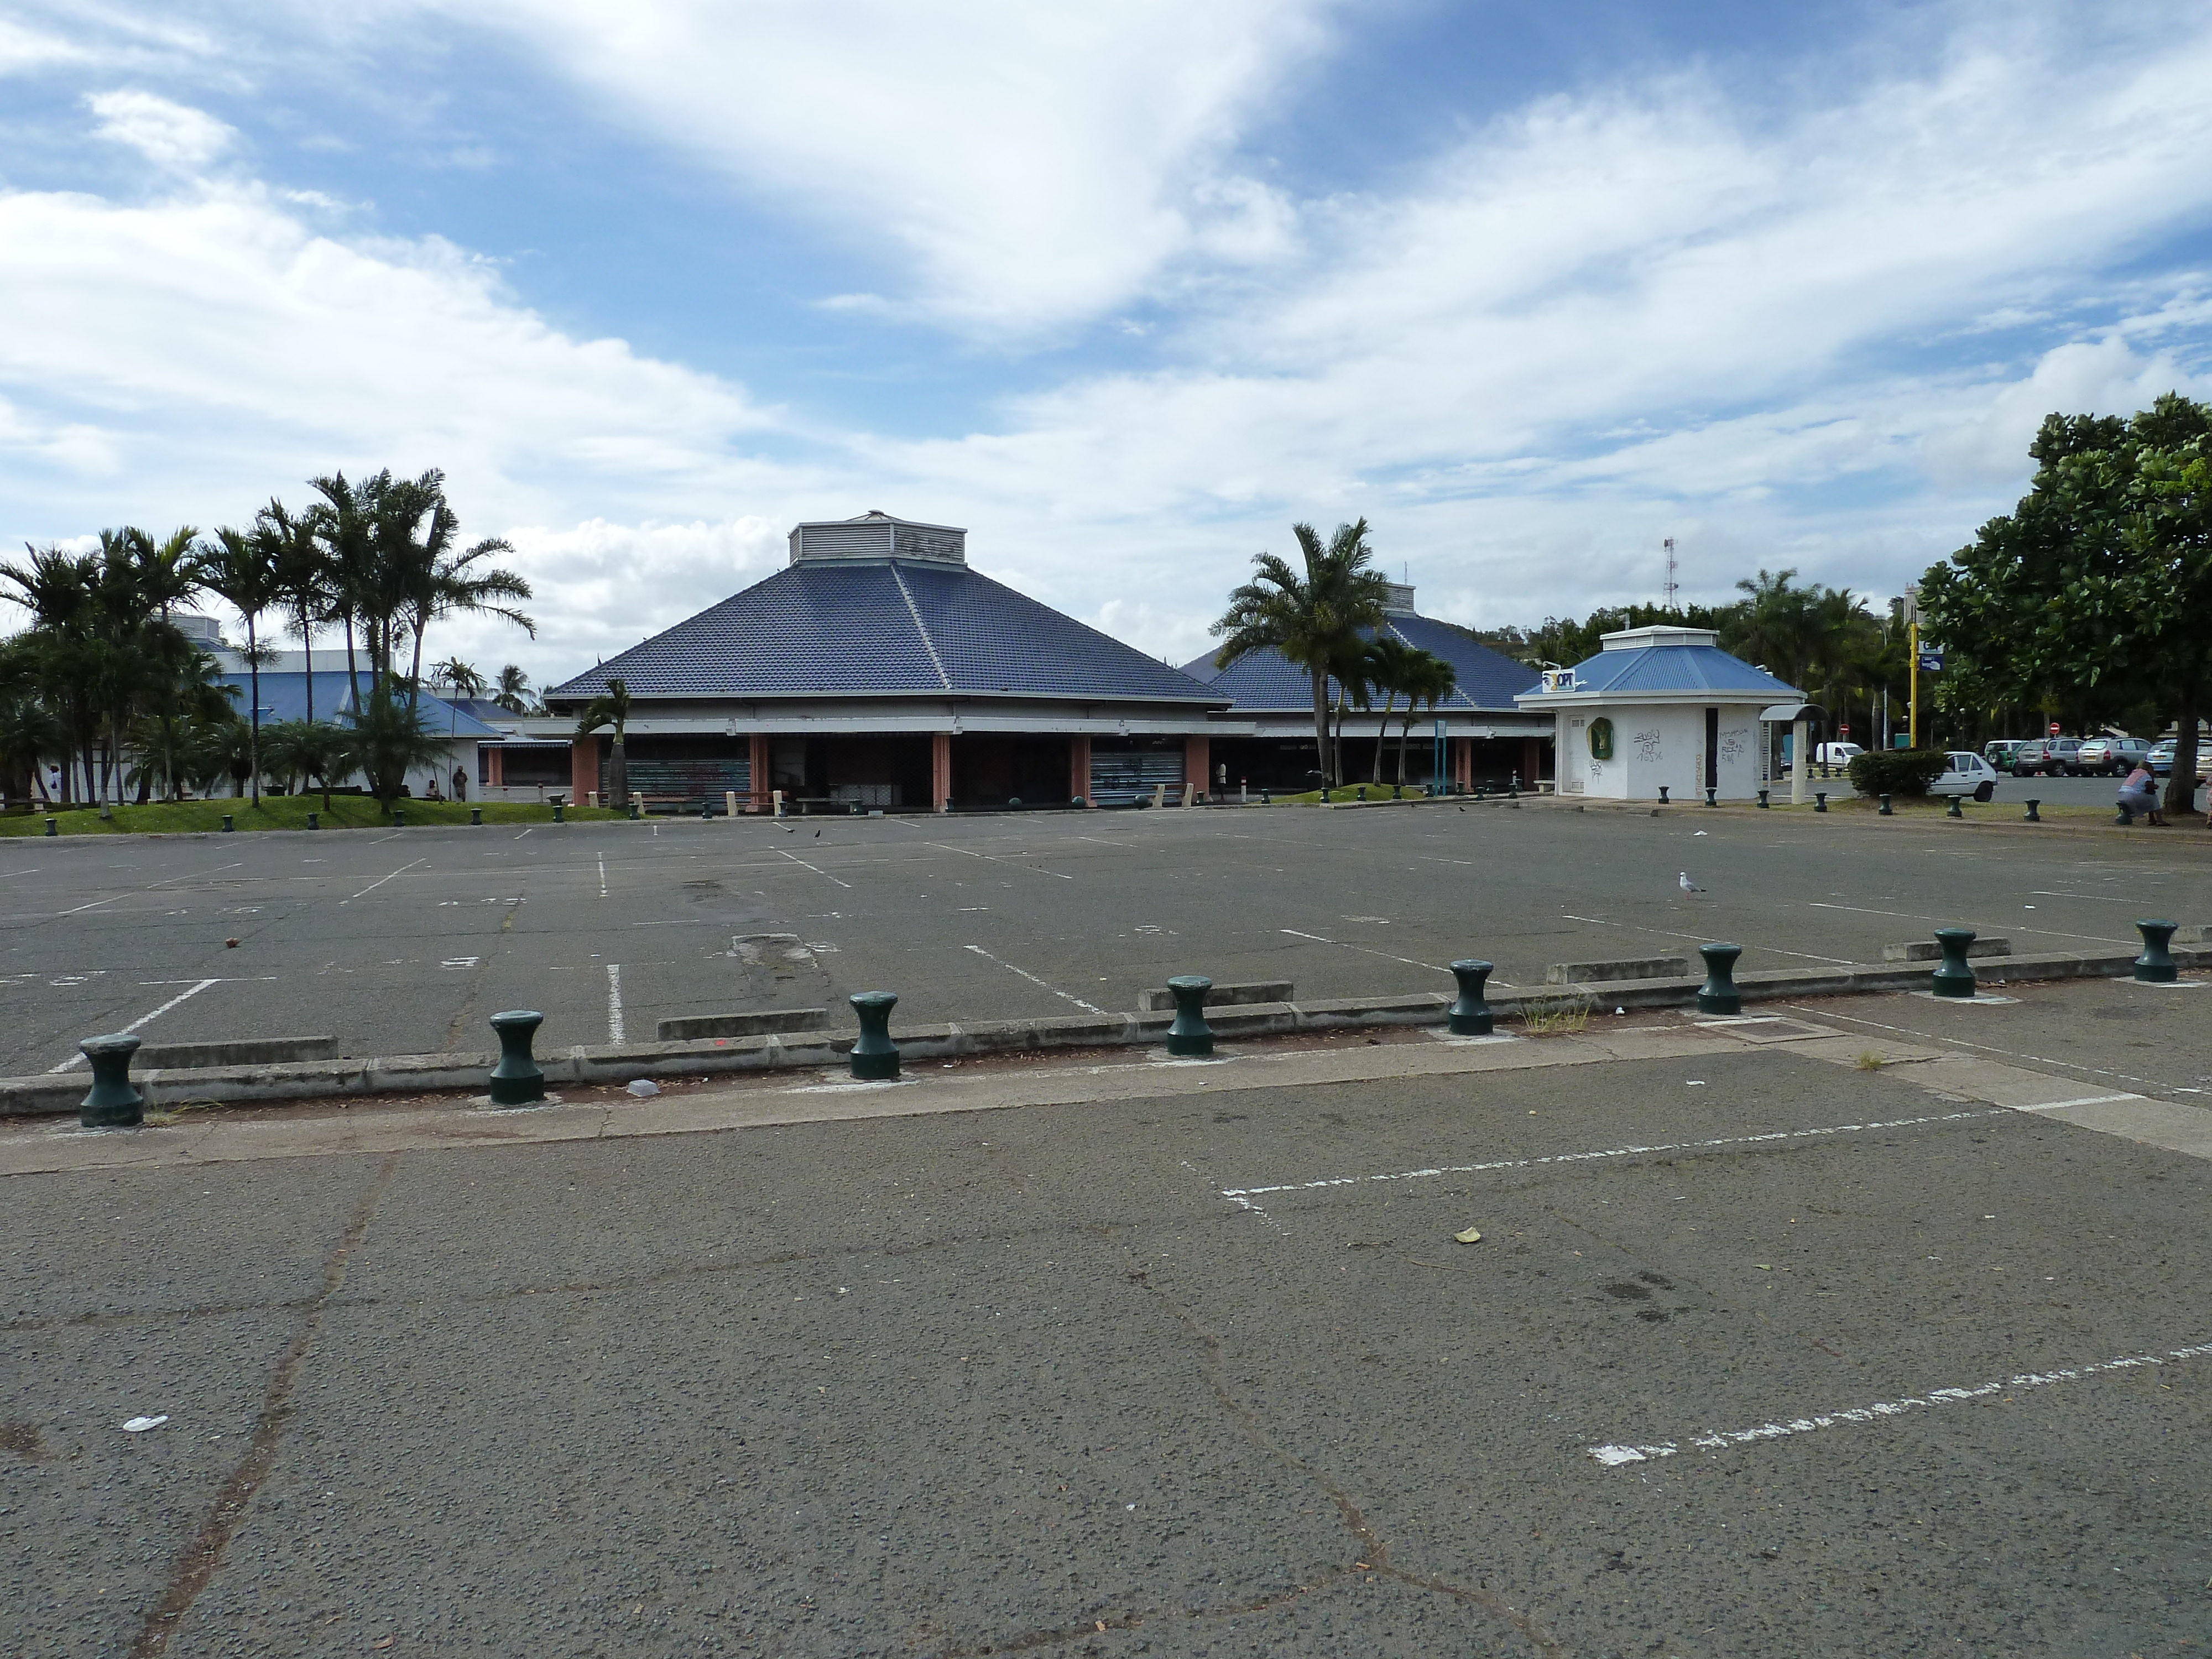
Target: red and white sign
1844 730
2054 729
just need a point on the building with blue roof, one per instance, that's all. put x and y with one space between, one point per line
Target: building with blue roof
877 671
290 692
1661 708
1267 734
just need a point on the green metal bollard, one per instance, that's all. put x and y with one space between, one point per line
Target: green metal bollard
1325 800
1663 795
559 810
635 816
1712 797
2033 816
1883 811
1762 800
1954 810
1955 976
476 815
1190 1034
398 818
875 1056
1363 793
2155 966
516 1080
1819 800
1470 1016
113 1104
53 827
314 820
1719 994
228 828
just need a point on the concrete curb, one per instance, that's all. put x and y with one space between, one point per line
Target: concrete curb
53 1095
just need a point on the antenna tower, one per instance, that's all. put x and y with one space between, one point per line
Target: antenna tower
1671 584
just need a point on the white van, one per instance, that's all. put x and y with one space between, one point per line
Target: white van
1838 755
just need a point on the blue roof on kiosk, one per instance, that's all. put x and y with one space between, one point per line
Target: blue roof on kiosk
1267 680
1654 660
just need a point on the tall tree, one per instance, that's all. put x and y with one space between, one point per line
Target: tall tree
513 693
241 568
611 708
2097 583
1312 616
303 578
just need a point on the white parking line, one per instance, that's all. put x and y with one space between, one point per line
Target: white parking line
1237 1195
1618 1456
2086 1100
1033 979
381 880
614 1002
145 1019
817 870
603 875
1911 915
994 859
1364 950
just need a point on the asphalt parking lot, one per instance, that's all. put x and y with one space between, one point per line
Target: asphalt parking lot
1763 1350
403 942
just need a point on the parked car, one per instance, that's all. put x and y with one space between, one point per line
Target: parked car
1837 756
2161 757
2112 756
1968 774
2002 751
2048 757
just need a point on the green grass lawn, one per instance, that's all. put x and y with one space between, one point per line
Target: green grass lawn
281 812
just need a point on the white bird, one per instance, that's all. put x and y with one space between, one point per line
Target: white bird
1689 886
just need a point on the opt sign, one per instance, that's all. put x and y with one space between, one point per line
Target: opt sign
2054 729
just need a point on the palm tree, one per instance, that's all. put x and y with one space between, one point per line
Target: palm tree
442 578
303 577
340 524
305 749
610 707
1391 669
242 570
460 678
386 738
1429 681
1312 618
513 693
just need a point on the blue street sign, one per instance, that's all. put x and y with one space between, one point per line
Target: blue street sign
1931 662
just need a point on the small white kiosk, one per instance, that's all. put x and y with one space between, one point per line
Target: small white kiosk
1659 708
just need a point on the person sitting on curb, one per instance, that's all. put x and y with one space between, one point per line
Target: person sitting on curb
2139 794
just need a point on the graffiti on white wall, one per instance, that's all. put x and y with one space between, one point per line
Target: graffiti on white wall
1648 746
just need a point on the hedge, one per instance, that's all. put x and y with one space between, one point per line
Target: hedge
1897 771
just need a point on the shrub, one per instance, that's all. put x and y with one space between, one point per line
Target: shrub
1897 771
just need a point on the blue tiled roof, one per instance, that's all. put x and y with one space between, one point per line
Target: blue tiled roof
1267 681
883 629
284 697
1677 668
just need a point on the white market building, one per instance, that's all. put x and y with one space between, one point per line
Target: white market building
1660 708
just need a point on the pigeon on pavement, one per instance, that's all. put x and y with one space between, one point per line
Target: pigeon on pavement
1689 886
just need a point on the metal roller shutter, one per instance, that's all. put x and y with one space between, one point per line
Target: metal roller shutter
1119 776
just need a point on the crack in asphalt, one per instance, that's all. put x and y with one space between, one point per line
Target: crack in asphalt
197 1562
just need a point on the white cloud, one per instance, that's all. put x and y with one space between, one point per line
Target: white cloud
169 135
1031 165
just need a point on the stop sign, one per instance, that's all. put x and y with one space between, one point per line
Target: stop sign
2054 729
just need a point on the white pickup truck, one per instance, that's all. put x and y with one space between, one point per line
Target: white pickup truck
1967 774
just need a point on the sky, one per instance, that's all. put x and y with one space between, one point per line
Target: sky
1125 291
